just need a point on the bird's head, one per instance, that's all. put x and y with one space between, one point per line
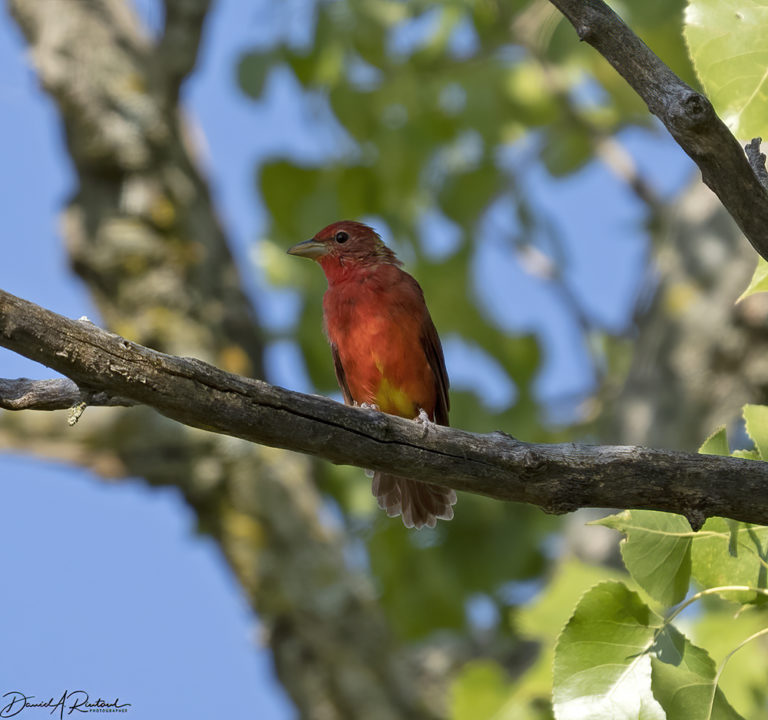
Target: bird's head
345 243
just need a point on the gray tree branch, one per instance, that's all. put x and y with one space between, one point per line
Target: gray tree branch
57 394
687 114
558 478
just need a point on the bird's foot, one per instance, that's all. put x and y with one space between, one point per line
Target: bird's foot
423 419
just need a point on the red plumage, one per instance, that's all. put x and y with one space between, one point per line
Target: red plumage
385 348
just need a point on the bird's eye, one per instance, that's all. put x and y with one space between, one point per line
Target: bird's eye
341 237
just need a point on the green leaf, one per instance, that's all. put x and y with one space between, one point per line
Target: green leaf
544 617
566 148
658 23
726 552
756 418
716 443
683 680
617 659
424 580
602 667
726 41
480 691
252 72
656 551
421 576
759 281
465 194
743 680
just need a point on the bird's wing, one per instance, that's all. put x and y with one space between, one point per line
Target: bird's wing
341 377
434 351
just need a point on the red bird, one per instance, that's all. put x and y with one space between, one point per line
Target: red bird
385 348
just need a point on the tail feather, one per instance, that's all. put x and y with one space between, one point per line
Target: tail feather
419 503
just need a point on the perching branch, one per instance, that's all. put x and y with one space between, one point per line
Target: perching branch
687 114
558 478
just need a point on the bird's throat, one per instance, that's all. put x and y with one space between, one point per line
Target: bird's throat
340 269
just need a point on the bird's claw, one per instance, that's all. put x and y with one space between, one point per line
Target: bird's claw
367 406
424 420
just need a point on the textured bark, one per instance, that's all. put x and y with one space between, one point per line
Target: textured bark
142 233
687 114
558 478
59 394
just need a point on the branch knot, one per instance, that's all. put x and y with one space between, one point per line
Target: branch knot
689 111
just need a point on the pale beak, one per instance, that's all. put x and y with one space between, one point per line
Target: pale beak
312 249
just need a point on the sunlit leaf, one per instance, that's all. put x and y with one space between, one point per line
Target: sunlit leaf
759 281
716 443
543 618
602 667
618 659
683 680
743 680
547 616
526 84
727 552
756 419
480 691
656 551
726 40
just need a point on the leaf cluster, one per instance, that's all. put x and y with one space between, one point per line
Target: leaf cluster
622 653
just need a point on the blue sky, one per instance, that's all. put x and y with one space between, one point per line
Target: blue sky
107 586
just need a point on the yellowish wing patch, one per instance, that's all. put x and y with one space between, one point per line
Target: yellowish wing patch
394 400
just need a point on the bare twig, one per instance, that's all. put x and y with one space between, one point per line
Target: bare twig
757 160
687 114
558 478
58 394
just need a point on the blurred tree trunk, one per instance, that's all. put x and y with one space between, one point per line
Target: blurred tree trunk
142 234
698 357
